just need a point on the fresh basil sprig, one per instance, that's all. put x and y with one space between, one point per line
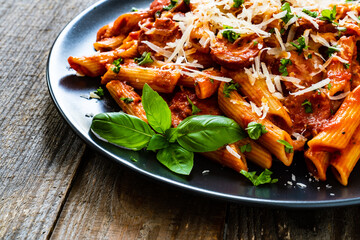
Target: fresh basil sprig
175 146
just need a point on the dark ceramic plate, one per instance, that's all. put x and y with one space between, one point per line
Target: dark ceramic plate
66 90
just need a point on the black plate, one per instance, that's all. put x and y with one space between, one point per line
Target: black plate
66 90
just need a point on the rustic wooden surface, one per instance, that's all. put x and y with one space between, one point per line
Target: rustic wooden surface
53 186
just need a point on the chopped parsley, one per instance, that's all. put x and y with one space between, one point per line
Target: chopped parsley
347 65
245 148
329 86
283 69
256 43
255 130
288 16
310 13
237 3
127 100
263 178
301 45
194 109
288 147
171 5
310 56
211 80
144 59
187 2
282 31
133 159
117 67
228 87
329 15
134 9
331 50
99 92
230 35
307 105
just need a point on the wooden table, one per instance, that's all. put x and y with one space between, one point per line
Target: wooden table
53 186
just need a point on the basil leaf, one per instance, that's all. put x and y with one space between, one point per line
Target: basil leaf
245 148
205 133
263 178
157 142
157 111
171 134
122 129
177 159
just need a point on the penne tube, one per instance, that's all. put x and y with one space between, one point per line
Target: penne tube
186 81
205 86
126 98
258 155
317 163
108 44
228 156
238 109
95 65
160 80
337 133
344 161
338 72
259 94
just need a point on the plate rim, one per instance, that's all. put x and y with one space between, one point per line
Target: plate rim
258 202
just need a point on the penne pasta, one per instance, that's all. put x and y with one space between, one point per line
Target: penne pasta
237 108
317 163
258 155
338 132
126 98
229 156
344 161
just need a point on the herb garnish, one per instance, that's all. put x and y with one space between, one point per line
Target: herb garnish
245 148
329 15
230 35
99 92
144 59
194 109
263 178
329 86
127 100
117 67
301 45
288 16
255 130
347 65
283 69
237 3
171 5
175 146
228 87
133 9
310 13
307 105
288 147
331 50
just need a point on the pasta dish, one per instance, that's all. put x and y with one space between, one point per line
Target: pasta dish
287 72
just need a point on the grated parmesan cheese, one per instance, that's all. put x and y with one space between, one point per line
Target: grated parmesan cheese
232 152
313 87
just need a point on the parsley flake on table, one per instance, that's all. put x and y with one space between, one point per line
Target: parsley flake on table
99 92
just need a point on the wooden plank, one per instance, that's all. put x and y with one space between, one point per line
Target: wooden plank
39 154
110 202
265 223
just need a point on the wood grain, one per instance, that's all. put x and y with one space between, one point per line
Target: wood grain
110 202
39 154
